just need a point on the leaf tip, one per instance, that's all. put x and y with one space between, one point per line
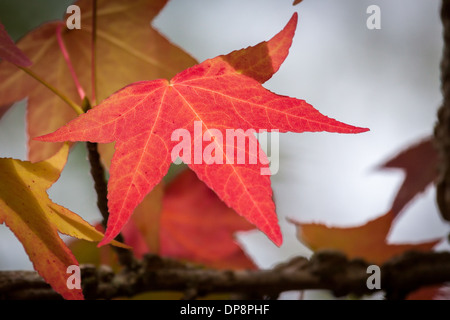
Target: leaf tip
50 137
106 240
292 23
10 52
361 130
278 241
110 234
42 138
275 236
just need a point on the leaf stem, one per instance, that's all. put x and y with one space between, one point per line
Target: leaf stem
94 53
71 103
66 56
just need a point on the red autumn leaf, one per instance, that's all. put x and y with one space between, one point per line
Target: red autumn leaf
185 220
296 2
9 50
368 241
128 49
419 162
142 231
195 225
202 101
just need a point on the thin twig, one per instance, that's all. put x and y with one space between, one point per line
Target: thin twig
66 99
94 53
125 256
98 174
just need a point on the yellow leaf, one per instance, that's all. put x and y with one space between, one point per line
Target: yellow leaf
35 220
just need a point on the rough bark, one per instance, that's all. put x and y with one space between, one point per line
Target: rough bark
442 128
328 270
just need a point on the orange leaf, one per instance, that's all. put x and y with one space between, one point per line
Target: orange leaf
128 48
28 211
368 241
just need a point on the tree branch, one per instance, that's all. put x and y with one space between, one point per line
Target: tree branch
329 270
442 128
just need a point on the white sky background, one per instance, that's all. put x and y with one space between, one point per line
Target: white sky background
386 80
